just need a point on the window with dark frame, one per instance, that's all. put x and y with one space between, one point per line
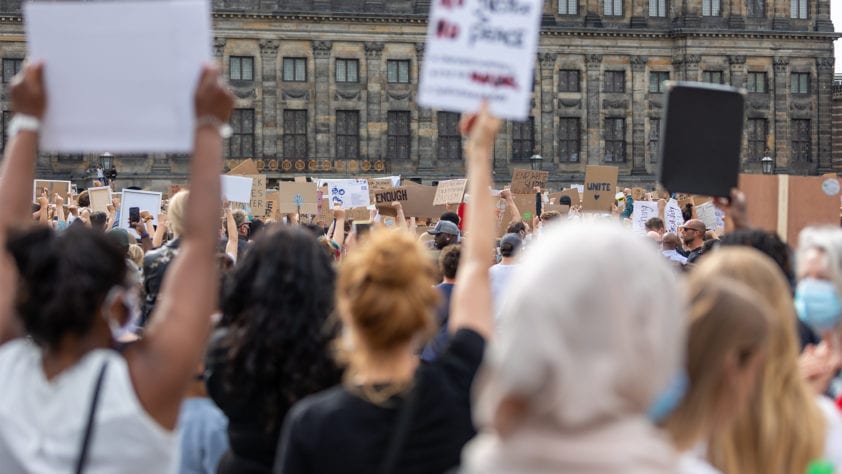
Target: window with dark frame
295 70
348 134
569 136
615 140
800 83
713 77
397 71
654 139
755 8
11 66
656 81
347 70
241 143
612 7
658 8
615 81
449 138
757 134
568 7
295 134
398 135
7 117
523 139
798 9
711 7
801 140
241 68
756 82
568 80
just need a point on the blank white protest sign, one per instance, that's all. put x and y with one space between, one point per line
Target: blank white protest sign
120 76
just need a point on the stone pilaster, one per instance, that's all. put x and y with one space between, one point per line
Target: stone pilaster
219 48
593 63
269 86
427 127
780 11
638 126
547 122
323 99
737 14
824 128
376 118
823 22
780 88
678 67
640 13
737 67
593 13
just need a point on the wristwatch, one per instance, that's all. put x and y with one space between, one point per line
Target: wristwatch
225 130
22 122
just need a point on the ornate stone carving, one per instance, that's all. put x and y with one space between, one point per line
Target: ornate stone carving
218 46
692 60
781 63
569 103
347 94
735 60
677 61
419 51
400 95
825 64
321 49
288 93
638 63
547 60
593 60
615 104
269 47
655 104
802 106
373 49
244 93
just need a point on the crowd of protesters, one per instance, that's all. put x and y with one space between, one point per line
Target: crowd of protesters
214 343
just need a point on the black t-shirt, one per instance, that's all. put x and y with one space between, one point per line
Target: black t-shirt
336 431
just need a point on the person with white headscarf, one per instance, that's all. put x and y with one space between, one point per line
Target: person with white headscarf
586 361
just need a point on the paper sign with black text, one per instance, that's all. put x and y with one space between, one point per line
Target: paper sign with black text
524 181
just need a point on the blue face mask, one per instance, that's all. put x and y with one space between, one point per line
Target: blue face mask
817 303
668 399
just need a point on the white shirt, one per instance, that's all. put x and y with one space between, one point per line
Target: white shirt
674 256
42 421
694 462
500 275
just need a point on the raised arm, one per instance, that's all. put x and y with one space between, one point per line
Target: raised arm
471 307
160 231
231 246
510 201
16 175
163 363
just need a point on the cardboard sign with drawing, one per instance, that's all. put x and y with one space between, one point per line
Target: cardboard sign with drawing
600 183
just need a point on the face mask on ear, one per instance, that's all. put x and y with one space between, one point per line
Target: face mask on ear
668 400
131 303
817 304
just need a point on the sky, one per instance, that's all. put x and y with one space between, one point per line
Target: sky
836 16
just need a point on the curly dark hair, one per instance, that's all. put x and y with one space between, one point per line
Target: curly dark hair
63 279
767 242
279 302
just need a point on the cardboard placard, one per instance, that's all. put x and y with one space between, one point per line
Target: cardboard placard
450 192
573 194
246 167
357 214
643 211
673 218
258 195
236 188
707 213
294 197
378 184
600 182
62 188
272 199
524 181
100 198
144 200
526 206
417 201
349 193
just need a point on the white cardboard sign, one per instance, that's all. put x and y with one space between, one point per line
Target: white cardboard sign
144 200
643 211
673 219
481 49
349 193
237 188
120 75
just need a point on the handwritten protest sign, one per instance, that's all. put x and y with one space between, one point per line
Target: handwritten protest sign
100 198
258 195
417 201
143 200
163 47
673 219
643 211
450 192
600 182
349 193
62 188
477 49
379 184
272 200
524 181
236 188
295 197
706 213
246 167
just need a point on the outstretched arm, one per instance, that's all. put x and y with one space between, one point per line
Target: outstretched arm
164 361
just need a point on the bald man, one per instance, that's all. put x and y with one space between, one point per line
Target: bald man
668 247
693 236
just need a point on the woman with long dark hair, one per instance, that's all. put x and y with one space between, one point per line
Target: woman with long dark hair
274 348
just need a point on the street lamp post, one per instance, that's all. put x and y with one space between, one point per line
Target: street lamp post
767 163
536 160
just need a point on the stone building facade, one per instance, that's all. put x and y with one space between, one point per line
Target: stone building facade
328 87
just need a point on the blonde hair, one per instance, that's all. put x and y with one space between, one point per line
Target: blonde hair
783 429
386 293
176 210
827 240
727 320
135 254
